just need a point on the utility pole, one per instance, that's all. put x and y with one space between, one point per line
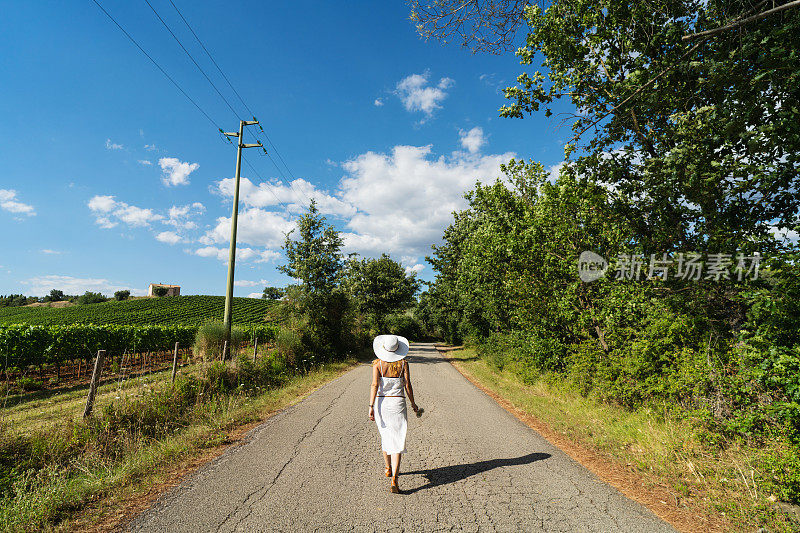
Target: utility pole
234 220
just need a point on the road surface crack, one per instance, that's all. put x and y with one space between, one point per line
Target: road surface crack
264 490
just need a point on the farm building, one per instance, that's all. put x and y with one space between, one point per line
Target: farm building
172 290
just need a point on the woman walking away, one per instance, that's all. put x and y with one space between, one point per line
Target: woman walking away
387 403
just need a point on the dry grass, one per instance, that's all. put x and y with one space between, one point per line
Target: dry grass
40 410
91 490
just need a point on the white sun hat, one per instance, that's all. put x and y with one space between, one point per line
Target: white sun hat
390 348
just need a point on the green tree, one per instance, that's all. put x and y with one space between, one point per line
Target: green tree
90 297
681 107
379 287
272 293
317 306
314 258
122 295
55 296
692 133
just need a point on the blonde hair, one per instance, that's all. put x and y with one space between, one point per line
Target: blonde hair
390 370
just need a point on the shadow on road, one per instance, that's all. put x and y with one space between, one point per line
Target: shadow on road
432 357
450 474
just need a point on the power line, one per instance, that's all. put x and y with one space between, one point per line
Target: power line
182 91
211 58
164 72
203 72
269 188
239 96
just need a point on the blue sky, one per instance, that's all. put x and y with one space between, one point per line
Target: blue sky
111 179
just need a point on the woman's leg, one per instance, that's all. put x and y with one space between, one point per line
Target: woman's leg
387 461
395 467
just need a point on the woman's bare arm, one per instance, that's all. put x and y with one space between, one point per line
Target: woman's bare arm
373 391
409 388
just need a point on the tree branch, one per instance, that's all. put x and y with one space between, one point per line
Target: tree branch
738 23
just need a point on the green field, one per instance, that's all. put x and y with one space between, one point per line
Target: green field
168 311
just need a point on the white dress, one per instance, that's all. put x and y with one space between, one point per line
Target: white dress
390 414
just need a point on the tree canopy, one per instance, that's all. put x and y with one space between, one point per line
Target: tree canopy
379 287
695 134
314 258
272 293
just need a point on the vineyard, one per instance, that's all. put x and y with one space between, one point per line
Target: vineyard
23 346
172 311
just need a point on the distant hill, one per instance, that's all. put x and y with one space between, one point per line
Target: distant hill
172 310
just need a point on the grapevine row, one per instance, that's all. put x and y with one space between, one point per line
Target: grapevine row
168 311
23 345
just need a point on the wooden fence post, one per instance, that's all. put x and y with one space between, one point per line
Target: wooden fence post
175 362
98 368
225 351
255 349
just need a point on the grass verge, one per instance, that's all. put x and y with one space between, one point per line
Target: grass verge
660 461
83 474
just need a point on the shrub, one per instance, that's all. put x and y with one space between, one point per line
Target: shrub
289 345
266 372
121 295
210 340
90 297
525 354
782 469
26 384
404 325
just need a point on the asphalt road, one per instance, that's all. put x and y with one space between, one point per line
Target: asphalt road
470 466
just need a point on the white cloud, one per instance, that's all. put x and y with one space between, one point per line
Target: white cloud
246 283
417 95
136 216
296 196
176 172
554 171
48 251
255 226
150 147
398 202
42 285
378 102
181 216
169 237
109 212
105 222
491 80
406 199
242 254
10 203
784 234
411 264
145 162
103 204
473 139
415 269
113 146
254 295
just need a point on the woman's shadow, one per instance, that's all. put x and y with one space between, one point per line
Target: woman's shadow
450 474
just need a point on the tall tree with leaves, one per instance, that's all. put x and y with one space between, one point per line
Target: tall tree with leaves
379 287
685 109
318 303
314 257
272 293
